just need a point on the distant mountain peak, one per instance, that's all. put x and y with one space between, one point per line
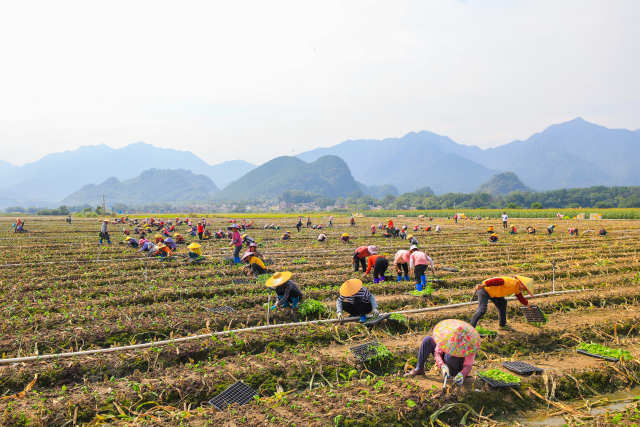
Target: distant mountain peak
503 183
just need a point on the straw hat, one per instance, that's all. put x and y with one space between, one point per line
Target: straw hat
278 279
494 235
350 287
409 236
372 250
161 245
105 220
194 245
127 238
176 235
345 235
158 236
527 282
234 226
243 236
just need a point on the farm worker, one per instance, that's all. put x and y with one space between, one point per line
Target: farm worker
493 238
158 238
162 251
69 219
514 230
390 223
243 224
353 221
130 241
531 230
277 227
250 224
165 232
200 230
415 228
496 289
308 222
427 228
356 300
602 232
253 249
490 230
373 229
404 227
195 252
170 243
247 240
255 265
331 221
455 218
360 254
438 229
236 241
573 231
285 236
505 219
299 224
412 240
287 291
403 234
379 264
179 238
322 237
401 262
344 238
104 234
125 232
387 235
418 262
550 229
454 346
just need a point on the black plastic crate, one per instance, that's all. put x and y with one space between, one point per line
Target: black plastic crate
220 310
241 281
365 351
375 320
522 368
451 269
533 314
497 383
238 393
599 356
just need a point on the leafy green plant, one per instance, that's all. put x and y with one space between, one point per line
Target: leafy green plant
411 403
601 350
483 331
309 306
382 352
401 318
301 260
428 290
498 375
538 324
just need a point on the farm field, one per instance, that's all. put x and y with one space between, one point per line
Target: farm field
62 293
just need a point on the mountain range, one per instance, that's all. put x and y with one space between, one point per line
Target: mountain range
327 175
153 185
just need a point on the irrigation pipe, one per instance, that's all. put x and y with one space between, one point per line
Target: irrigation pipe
255 328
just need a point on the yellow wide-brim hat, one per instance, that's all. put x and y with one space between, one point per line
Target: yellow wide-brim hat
176 235
345 235
278 279
158 236
161 245
350 287
127 238
409 236
527 282
194 246
105 220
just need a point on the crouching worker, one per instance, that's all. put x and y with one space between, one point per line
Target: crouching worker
195 253
131 242
573 232
255 266
356 300
454 346
344 238
550 229
286 236
493 238
496 289
162 251
602 232
288 293
322 237
179 239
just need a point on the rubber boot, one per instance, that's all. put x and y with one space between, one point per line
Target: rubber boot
406 278
295 302
399 278
423 280
418 286
381 279
375 281
363 319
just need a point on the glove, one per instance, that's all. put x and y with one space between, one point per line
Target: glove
459 379
375 312
274 307
340 315
445 371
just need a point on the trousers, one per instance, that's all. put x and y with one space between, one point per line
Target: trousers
357 308
483 301
428 348
380 267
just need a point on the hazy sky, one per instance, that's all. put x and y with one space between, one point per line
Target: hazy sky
256 80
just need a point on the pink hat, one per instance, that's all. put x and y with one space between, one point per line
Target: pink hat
372 250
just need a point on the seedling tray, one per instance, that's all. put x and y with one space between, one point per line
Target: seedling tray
238 393
497 383
453 270
375 320
533 314
220 310
522 368
599 356
365 351
241 281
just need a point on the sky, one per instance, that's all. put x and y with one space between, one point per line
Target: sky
254 80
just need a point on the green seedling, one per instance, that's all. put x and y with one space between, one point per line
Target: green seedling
615 353
498 375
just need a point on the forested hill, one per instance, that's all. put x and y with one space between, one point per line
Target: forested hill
157 185
503 183
328 175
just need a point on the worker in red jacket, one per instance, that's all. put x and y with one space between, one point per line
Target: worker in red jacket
359 256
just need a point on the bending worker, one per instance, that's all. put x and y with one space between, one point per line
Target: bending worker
359 256
356 300
401 262
496 289
550 229
195 252
379 264
418 262
287 291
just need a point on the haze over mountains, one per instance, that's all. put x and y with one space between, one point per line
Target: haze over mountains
567 155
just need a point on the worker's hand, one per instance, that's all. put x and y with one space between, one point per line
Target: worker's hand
274 307
445 371
477 287
459 380
375 312
340 315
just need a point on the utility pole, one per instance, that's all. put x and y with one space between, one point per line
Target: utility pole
103 207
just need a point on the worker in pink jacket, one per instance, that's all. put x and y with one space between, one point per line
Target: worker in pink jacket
401 262
419 262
